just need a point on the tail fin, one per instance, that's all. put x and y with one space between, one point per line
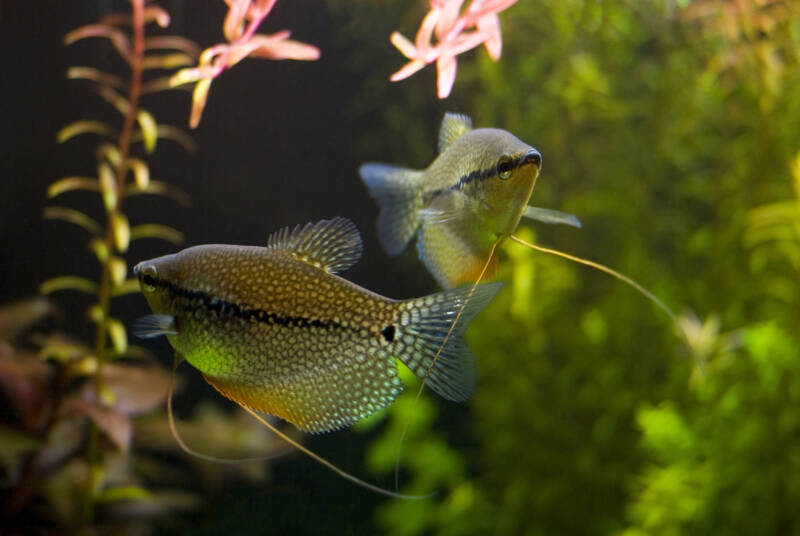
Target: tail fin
397 192
425 323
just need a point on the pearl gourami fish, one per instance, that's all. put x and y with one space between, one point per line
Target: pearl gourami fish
468 199
274 329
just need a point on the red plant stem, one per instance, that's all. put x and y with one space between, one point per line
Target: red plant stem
104 293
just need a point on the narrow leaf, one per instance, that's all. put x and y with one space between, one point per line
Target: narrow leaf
199 97
149 130
154 230
160 188
167 61
117 37
100 249
129 286
115 99
95 75
117 269
123 493
172 42
175 134
72 183
72 216
84 127
68 282
108 185
121 230
117 334
95 313
141 173
109 152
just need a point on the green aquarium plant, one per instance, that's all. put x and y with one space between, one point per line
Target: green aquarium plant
86 414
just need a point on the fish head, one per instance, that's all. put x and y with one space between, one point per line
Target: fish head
156 280
509 169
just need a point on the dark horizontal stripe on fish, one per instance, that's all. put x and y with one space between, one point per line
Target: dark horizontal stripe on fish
224 308
482 174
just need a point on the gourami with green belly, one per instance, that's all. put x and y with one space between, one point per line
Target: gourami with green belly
275 330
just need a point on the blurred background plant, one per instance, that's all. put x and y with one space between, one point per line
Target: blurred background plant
70 458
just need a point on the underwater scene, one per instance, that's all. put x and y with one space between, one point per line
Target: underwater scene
400 267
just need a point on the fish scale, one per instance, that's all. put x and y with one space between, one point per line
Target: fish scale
274 329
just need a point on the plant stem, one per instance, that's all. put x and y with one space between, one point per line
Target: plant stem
104 292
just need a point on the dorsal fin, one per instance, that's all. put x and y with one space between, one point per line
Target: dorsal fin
332 245
453 126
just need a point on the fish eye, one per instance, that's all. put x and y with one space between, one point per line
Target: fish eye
149 277
505 166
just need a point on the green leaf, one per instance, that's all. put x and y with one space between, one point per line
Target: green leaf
149 130
108 185
123 493
154 230
100 249
68 282
121 230
117 269
117 334
160 188
115 99
129 286
72 183
84 127
72 216
168 132
141 173
110 153
167 61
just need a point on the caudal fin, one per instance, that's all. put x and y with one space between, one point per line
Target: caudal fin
397 192
425 324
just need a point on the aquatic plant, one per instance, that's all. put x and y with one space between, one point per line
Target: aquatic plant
243 19
451 28
78 405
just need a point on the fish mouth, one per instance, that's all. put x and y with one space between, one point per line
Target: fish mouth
533 157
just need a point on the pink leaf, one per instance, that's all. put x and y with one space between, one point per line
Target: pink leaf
407 70
234 21
446 70
286 49
116 425
490 27
405 46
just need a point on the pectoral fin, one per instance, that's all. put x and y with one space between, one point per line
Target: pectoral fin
546 215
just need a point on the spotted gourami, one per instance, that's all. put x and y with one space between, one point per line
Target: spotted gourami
467 200
275 330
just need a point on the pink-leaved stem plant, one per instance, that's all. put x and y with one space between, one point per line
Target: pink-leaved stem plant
243 19
455 32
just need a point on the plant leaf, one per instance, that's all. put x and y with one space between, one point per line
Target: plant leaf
167 61
117 334
72 216
109 152
84 127
115 99
68 282
95 75
172 42
141 173
117 37
100 249
108 185
121 230
123 493
199 96
160 188
149 130
117 269
155 230
129 286
72 183
114 424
